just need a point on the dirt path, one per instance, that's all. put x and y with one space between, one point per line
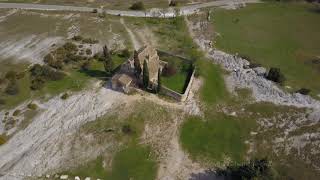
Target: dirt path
185 10
135 42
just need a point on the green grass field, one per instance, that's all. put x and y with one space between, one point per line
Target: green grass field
283 35
178 81
130 163
216 137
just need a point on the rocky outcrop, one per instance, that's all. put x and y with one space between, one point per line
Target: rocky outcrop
262 89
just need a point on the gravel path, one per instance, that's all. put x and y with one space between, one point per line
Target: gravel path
166 13
135 42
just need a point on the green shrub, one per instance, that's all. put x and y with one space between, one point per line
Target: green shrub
95 11
16 112
32 106
20 75
65 96
88 51
11 75
43 73
37 83
12 88
70 47
304 91
275 75
53 75
254 65
173 3
3 139
169 70
90 41
77 38
137 6
126 129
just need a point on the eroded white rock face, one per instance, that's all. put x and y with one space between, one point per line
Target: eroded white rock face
30 48
44 144
262 89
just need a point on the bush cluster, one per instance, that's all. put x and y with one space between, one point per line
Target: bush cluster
169 70
41 74
77 38
173 3
65 96
32 106
16 112
275 75
12 87
304 91
137 6
88 52
90 41
65 54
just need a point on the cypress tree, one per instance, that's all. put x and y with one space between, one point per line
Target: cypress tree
137 64
107 60
145 75
159 81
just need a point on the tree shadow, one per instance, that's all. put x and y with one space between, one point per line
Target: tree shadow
208 175
315 10
96 74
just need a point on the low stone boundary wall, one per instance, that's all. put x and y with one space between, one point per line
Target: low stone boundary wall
177 96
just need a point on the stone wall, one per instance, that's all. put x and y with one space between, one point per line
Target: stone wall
177 96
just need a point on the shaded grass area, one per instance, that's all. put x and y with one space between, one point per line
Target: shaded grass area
216 137
175 82
178 81
283 35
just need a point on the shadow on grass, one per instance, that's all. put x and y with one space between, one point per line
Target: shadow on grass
96 74
207 175
315 10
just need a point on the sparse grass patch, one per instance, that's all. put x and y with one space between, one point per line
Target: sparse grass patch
133 160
